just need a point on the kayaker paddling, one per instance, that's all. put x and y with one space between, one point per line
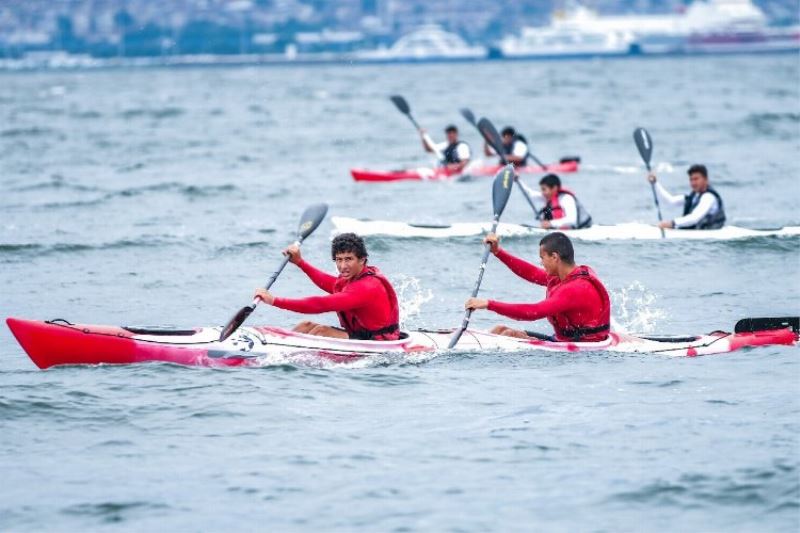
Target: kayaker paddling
456 152
515 147
576 304
362 297
561 208
702 208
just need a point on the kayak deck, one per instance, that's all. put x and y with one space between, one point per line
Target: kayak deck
61 343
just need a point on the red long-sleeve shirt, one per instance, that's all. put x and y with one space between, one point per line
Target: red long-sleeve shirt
575 302
367 298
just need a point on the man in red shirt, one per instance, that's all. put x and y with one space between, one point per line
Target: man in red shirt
362 297
576 304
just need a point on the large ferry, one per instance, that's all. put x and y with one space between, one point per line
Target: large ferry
705 26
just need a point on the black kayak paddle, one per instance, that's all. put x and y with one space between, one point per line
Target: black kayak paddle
644 143
489 132
536 159
311 219
469 116
501 190
402 106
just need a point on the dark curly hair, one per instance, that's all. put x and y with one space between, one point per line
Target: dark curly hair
348 242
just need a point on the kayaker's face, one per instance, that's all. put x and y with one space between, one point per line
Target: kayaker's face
550 261
348 265
547 192
452 137
698 182
508 139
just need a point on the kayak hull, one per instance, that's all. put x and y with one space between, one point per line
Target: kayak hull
442 174
627 231
51 344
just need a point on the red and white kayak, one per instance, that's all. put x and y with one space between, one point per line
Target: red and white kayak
441 173
62 343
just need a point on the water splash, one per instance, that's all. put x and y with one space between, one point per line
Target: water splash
412 297
634 309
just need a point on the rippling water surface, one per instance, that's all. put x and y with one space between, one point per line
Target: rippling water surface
163 197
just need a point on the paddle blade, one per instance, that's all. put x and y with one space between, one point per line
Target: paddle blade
400 103
234 323
469 116
644 143
501 190
748 325
489 133
311 219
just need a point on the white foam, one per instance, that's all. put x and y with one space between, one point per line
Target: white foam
634 308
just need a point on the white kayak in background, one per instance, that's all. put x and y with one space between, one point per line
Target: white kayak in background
627 231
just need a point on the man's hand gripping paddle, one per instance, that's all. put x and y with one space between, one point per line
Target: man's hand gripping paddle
311 219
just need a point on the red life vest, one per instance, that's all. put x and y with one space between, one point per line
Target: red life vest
594 328
554 206
353 321
553 210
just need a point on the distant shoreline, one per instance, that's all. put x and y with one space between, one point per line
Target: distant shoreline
70 62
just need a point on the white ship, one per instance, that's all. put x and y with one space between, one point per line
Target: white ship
427 43
705 26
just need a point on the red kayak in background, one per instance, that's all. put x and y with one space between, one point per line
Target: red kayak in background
441 173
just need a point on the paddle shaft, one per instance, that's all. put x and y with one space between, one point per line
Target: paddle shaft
644 143
536 159
425 136
465 323
275 274
655 199
528 198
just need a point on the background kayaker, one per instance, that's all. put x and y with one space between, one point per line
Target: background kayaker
702 208
456 152
561 208
515 147
576 304
362 297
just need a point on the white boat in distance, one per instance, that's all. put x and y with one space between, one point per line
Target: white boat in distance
427 43
706 26
628 231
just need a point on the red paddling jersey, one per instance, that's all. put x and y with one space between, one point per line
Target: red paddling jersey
578 306
367 305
